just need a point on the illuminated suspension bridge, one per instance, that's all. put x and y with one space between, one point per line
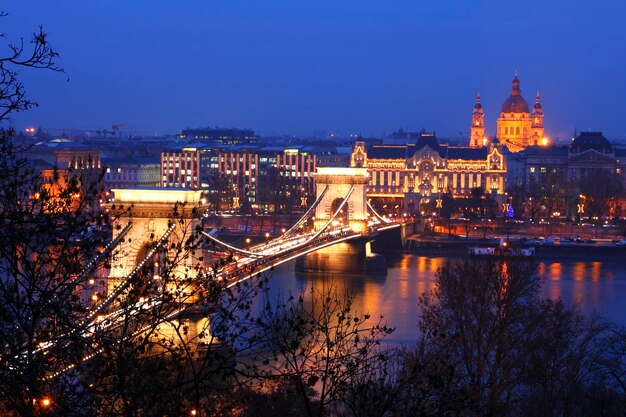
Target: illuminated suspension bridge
341 213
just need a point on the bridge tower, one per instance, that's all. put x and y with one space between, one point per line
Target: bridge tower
152 215
339 182
333 185
169 217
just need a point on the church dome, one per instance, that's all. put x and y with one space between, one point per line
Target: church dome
515 103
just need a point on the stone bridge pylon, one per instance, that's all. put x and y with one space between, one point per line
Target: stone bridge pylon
341 182
152 214
343 201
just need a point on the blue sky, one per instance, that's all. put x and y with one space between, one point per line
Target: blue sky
343 66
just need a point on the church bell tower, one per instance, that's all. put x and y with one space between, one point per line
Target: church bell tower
537 126
477 130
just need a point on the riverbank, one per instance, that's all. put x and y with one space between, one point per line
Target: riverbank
429 245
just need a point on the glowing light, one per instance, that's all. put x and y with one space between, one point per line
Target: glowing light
46 402
544 141
91 281
357 228
352 172
157 195
94 297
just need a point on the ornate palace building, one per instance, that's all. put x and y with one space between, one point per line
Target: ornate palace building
419 173
517 128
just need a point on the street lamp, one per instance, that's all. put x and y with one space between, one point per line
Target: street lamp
581 204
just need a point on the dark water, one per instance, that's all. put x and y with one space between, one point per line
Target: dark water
596 286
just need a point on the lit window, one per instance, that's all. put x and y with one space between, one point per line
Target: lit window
532 169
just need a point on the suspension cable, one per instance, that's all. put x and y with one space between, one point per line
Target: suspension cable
126 282
96 260
231 247
376 213
343 203
305 216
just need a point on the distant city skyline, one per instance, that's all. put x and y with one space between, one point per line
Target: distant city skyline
357 67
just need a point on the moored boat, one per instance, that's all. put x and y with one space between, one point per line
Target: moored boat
504 250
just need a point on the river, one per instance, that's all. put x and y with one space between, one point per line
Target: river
595 286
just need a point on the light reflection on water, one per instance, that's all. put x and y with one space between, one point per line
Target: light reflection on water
595 286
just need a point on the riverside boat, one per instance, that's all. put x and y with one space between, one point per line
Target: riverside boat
504 250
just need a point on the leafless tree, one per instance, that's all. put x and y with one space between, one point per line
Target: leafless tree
506 352
322 346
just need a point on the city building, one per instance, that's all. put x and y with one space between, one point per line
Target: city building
418 173
60 162
569 180
181 169
516 128
265 178
139 172
221 136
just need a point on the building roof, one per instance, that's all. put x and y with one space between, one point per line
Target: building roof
61 144
131 160
591 140
40 164
515 103
426 140
387 152
462 152
546 151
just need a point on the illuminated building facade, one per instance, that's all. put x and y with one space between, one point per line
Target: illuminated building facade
236 175
129 172
516 128
62 161
181 169
421 172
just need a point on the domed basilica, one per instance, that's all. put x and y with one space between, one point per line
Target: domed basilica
517 128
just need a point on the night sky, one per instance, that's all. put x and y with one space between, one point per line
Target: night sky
294 67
